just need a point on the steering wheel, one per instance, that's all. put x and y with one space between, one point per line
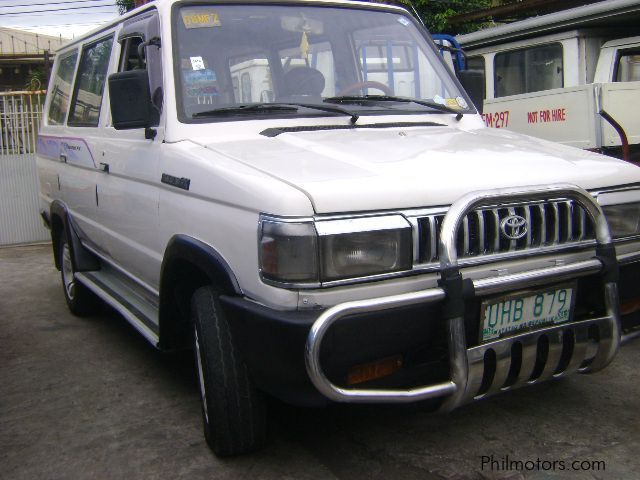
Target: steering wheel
362 85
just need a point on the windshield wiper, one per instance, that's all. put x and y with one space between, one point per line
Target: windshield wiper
359 99
254 108
326 108
267 107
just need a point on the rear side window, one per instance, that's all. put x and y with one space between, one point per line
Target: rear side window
528 70
628 68
61 88
89 86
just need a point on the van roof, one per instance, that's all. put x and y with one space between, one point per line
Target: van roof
166 4
620 42
607 14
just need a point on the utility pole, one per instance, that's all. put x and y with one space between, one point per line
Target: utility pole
47 63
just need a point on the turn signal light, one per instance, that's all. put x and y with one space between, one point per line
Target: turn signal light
373 370
630 307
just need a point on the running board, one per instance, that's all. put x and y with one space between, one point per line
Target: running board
138 312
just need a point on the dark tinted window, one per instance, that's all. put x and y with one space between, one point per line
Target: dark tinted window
89 86
478 64
129 58
528 70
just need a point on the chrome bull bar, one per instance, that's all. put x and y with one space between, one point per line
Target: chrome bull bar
468 366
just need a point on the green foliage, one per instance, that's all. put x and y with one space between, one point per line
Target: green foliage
436 14
125 5
36 80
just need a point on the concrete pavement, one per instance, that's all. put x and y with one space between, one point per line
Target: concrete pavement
89 398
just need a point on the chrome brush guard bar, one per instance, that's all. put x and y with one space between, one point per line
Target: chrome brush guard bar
467 365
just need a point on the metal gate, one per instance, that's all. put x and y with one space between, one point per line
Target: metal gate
20 222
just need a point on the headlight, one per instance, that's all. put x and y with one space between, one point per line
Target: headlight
624 219
329 250
364 246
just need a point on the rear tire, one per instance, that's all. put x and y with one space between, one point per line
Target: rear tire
80 300
233 411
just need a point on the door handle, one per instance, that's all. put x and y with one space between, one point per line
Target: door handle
104 167
63 157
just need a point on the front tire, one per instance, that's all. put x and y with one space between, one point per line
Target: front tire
233 411
80 300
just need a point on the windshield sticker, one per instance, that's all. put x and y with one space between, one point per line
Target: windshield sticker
197 63
199 83
439 100
451 103
462 102
202 91
199 76
200 19
403 21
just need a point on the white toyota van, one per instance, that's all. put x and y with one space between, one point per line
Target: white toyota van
303 193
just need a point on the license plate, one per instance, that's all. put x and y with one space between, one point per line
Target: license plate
509 314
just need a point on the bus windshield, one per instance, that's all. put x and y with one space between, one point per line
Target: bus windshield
261 60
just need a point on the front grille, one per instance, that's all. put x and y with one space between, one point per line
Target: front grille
549 224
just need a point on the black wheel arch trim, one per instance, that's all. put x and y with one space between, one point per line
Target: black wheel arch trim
45 219
186 249
81 259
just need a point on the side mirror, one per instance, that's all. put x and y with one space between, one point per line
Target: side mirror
130 100
473 83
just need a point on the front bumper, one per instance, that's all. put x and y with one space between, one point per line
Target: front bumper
273 344
451 370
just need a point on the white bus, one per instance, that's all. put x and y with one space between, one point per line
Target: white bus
571 76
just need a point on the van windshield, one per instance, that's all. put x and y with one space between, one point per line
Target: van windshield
286 59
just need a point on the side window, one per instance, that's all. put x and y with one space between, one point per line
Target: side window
477 64
61 89
528 70
129 58
89 86
141 50
628 67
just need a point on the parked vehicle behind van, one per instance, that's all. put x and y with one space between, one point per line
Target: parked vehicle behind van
569 77
341 228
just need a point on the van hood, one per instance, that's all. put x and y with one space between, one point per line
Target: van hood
362 169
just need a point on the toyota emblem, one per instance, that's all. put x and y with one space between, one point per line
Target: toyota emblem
513 227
